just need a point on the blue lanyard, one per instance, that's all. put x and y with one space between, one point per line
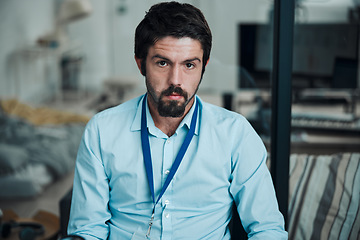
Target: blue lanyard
147 155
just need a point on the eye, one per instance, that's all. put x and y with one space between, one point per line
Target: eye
190 65
162 63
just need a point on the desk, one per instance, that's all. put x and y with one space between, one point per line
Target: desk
306 140
321 141
326 144
323 144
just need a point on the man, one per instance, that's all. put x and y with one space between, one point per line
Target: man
167 165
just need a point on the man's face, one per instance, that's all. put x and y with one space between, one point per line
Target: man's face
173 74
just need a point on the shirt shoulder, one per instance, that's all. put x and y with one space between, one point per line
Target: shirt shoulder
219 116
227 125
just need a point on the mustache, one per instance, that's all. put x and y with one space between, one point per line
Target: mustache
173 89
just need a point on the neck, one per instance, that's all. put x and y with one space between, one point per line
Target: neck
167 125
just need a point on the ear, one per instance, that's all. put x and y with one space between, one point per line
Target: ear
138 63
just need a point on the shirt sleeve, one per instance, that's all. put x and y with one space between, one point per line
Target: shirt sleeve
252 188
89 207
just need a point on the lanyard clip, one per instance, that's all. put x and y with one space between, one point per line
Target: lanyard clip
150 225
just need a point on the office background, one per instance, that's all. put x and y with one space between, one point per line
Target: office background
65 68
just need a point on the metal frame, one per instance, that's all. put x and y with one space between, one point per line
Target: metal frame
281 100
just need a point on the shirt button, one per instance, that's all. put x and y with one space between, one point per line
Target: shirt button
167 215
167 172
168 141
167 202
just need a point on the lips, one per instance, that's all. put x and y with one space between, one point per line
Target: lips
174 93
174 96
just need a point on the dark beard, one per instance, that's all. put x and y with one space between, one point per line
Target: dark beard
172 108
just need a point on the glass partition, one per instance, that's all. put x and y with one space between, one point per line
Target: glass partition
325 136
325 115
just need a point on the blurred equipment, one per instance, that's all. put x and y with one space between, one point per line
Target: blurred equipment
321 50
72 237
115 90
354 13
69 11
70 71
27 230
345 73
43 225
65 205
340 123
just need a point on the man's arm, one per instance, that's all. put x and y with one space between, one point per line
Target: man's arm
253 190
89 207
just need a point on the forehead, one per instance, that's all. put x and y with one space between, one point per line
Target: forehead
177 48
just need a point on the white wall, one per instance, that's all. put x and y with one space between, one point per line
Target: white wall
93 36
22 72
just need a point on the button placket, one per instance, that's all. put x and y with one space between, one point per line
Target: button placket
168 158
166 198
166 221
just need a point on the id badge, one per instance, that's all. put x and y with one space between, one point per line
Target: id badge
140 234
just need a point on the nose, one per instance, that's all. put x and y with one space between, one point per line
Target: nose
175 76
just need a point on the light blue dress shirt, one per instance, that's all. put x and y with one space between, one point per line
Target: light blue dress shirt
225 162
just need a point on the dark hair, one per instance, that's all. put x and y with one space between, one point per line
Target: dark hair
172 19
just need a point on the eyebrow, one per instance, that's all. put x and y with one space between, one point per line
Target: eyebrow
166 59
193 59
161 57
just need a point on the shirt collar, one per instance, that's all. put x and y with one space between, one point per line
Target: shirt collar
136 125
187 119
